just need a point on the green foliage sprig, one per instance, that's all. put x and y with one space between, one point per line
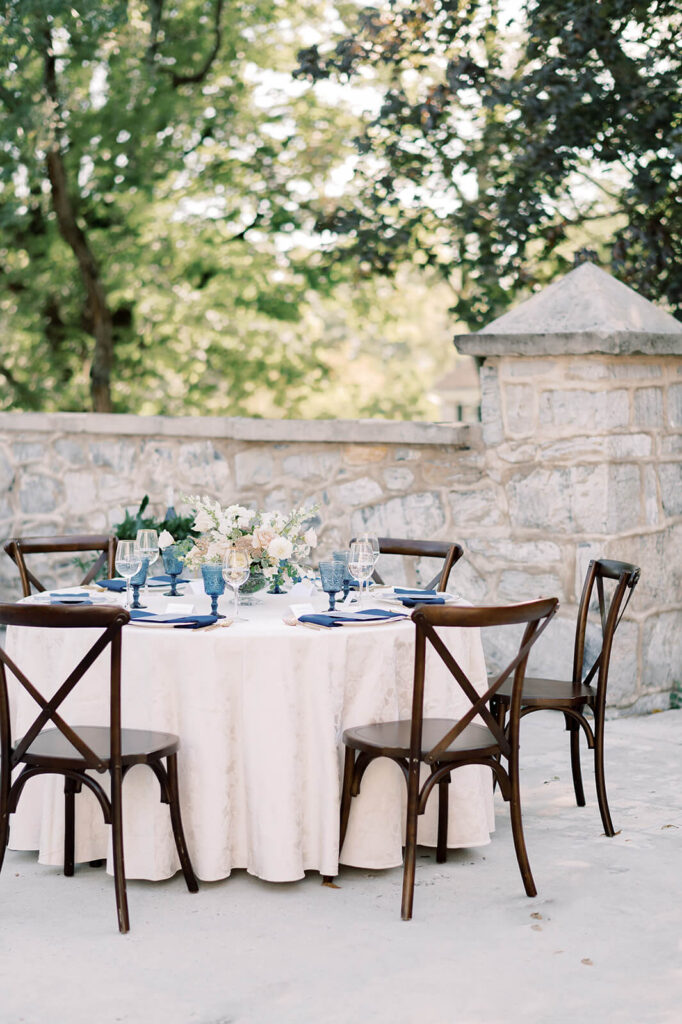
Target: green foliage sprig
179 526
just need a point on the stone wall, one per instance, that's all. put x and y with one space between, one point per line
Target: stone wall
574 458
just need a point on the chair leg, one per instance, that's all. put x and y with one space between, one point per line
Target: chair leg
346 794
442 847
4 815
600 779
574 730
176 822
117 850
410 841
517 830
71 787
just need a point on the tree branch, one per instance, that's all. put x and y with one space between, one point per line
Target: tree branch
73 235
155 15
23 392
200 74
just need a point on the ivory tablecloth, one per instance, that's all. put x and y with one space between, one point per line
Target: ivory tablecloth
260 707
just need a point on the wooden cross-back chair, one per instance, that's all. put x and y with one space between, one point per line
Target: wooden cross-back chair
446 744
90 543
587 686
450 553
76 751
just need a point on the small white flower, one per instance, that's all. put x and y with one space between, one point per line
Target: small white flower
166 539
280 548
310 538
203 521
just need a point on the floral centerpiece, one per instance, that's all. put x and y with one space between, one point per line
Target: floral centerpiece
277 543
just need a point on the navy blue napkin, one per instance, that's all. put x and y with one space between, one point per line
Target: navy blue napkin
178 621
413 592
343 618
117 584
412 602
165 579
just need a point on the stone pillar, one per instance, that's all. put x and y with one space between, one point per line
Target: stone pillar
582 426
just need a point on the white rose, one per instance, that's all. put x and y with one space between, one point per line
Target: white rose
166 539
203 521
280 548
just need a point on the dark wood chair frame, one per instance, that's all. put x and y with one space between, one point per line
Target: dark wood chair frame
450 553
459 742
19 547
69 751
572 697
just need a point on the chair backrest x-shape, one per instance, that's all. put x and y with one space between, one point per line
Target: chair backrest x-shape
19 547
535 614
625 578
110 619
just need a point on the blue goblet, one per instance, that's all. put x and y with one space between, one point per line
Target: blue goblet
173 563
137 581
214 585
342 556
331 577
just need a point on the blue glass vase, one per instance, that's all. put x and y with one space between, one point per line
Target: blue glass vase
214 585
277 583
137 581
173 563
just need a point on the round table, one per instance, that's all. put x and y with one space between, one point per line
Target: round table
260 707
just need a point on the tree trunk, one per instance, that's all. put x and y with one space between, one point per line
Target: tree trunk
103 355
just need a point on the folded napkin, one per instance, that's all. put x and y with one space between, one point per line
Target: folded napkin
413 592
116 584
161 580
412 602
371 615
141 618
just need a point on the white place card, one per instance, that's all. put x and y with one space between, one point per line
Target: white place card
179 609
301 609
302 589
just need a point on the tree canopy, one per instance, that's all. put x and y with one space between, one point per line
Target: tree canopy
267 207
505 145
156 168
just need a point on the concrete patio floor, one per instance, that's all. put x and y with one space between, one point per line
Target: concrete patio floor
602 940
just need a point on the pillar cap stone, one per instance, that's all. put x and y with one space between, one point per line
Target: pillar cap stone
586 312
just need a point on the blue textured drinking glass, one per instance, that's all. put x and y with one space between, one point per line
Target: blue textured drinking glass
331 577
214 585
173 564
139 580
342 556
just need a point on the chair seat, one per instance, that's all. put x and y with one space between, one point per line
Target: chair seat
392 739
137 746
554 692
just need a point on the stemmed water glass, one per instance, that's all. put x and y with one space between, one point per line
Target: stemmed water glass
148 543
373 542
361 563
128 562
236 569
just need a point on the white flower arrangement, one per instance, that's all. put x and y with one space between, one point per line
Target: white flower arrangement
275 542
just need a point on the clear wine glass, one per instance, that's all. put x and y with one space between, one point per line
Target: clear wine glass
148 543
361 563
236 569
368 538
128 562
